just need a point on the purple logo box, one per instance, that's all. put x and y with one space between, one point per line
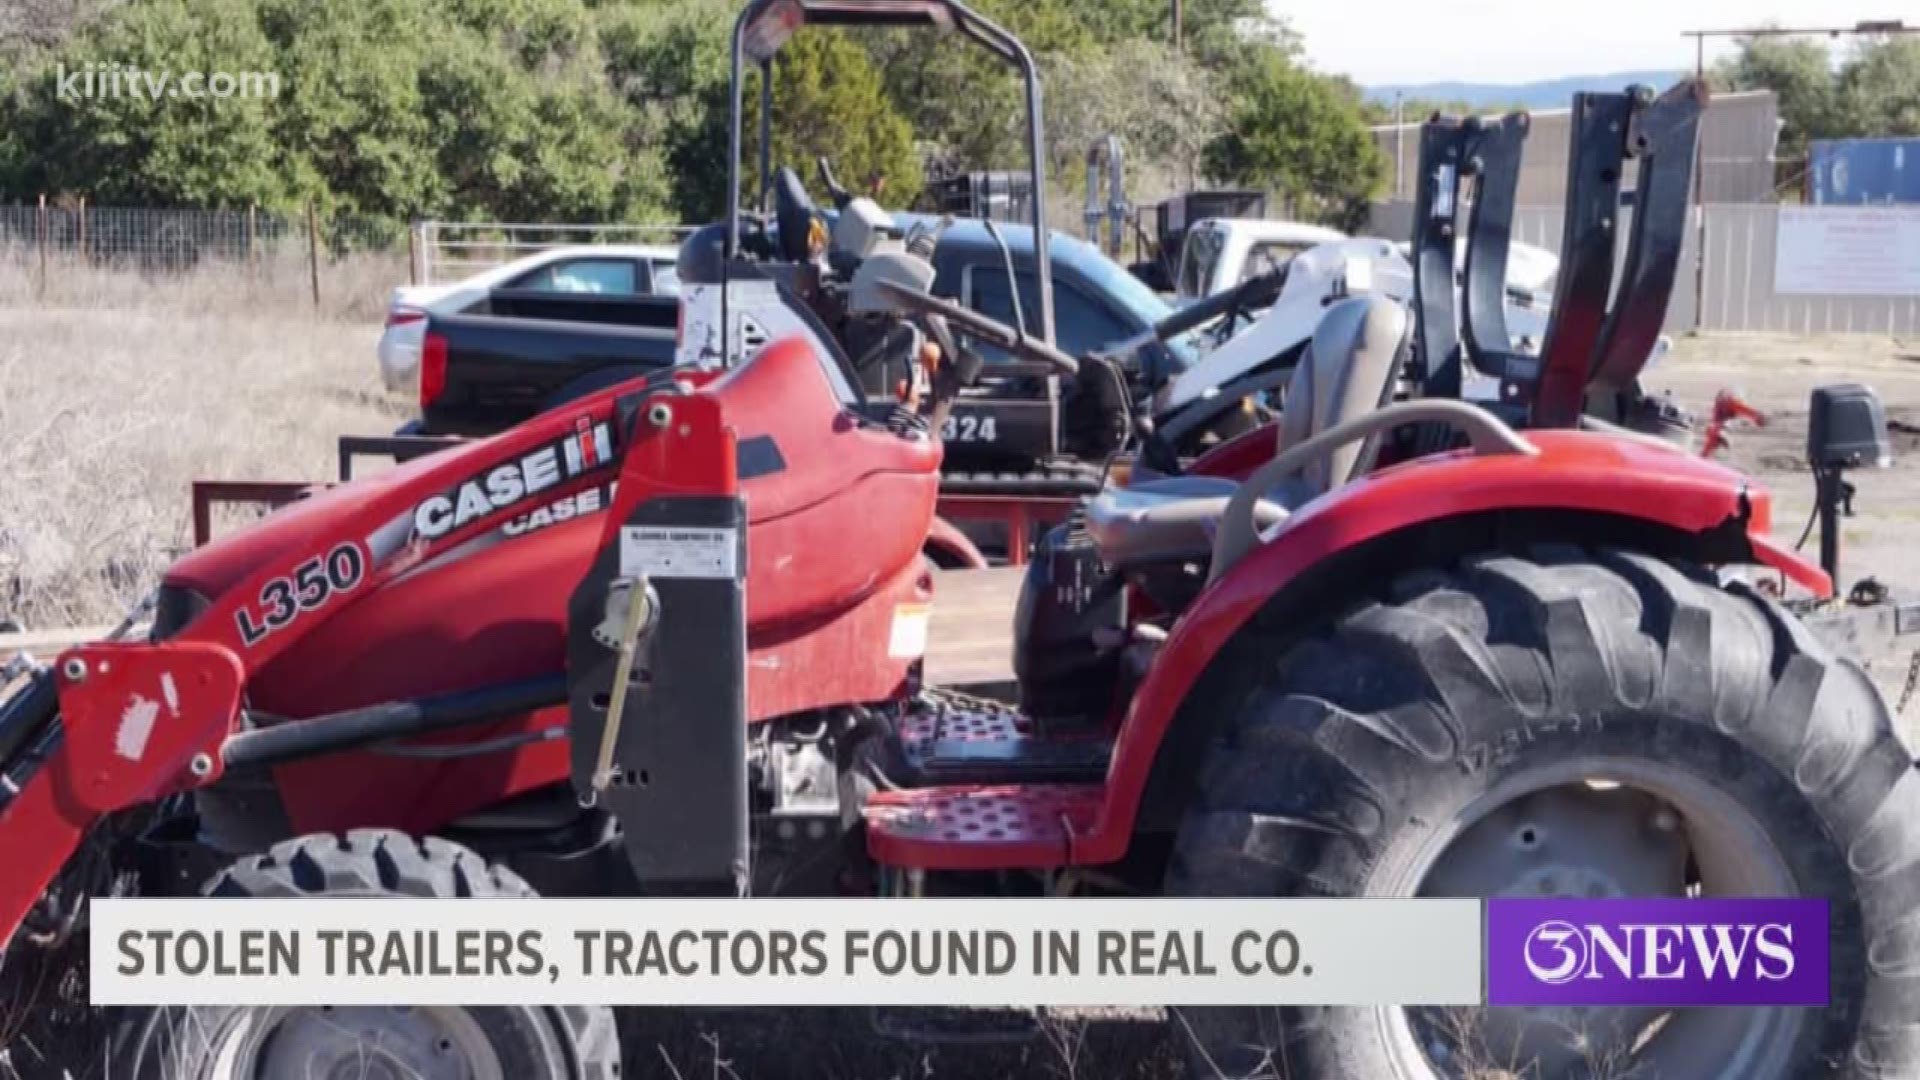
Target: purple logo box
1669 953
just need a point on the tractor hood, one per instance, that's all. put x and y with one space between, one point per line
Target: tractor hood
209 571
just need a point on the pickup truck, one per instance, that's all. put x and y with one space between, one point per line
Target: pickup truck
516 354
572 269
1220 253
505 359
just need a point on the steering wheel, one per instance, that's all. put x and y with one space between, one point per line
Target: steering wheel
934 311
793 211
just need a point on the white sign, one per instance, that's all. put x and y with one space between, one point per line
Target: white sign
1847 251
685 952
675 551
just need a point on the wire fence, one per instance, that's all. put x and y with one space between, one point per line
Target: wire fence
442 251
336 265
170 240
340 264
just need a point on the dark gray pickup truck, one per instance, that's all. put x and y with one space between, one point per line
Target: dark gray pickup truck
495 364
518 353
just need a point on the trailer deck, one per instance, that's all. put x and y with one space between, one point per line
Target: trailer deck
971 640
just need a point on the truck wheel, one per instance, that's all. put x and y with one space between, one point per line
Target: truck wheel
419 1043
1574 723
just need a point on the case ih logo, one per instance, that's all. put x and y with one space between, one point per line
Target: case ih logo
1657 952
588 448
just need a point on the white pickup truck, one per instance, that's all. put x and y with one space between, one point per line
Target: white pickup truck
1219 253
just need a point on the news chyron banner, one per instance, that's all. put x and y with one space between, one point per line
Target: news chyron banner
1027 952
1032 952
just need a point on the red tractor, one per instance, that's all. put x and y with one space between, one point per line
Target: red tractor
1397 645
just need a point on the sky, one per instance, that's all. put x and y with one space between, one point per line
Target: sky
1514 41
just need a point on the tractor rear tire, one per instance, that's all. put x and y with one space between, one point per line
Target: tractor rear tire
226 1043
1359 759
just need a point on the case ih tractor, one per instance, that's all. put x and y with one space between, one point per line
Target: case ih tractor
1397 645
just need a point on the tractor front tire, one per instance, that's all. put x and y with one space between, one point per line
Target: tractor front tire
1570 723
226 1043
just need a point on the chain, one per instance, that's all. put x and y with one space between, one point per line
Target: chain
948 698
1913 684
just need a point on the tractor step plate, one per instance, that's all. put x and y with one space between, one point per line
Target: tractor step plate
981 743
980 828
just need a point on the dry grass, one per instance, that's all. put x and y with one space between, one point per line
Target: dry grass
119 388
353 288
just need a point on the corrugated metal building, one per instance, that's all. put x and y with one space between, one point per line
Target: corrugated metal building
1737 139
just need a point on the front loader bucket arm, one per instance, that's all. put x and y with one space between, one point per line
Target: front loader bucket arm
1495 161
1664 137
1452 153
1443 150
1587 251
132 722
1591 343
137 721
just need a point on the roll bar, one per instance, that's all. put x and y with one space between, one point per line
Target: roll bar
765 25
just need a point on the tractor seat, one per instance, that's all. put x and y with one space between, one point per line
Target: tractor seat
1349 369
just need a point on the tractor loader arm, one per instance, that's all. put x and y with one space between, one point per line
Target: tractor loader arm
114 725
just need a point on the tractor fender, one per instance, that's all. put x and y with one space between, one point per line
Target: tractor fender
1581 486
950 549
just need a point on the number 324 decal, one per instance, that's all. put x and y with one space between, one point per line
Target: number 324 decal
970 429
284 599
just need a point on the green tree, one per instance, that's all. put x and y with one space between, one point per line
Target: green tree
349 127
1800 73
1164 106
124 143
1878 91
460 108
828 100
966 106
1299 135
512 146
668 63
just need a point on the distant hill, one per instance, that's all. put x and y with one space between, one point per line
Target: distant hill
1550 94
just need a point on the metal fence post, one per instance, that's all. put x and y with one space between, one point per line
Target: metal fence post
313 252
252 208
43 243
413 252
83 226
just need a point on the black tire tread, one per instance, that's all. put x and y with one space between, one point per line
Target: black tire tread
1357 717
389 862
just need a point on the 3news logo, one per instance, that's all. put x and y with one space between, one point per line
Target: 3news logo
1672 953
